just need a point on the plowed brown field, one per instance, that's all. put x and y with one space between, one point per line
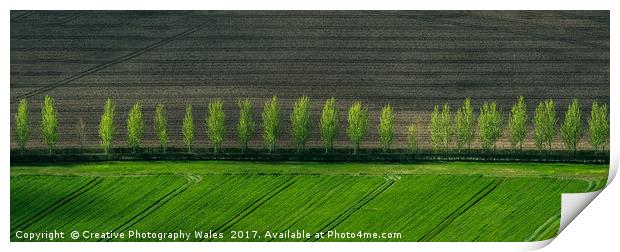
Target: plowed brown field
410 59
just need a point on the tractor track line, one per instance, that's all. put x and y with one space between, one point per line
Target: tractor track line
23 15
192 179
357 206
543 229
59 203
462 210
197 209
549 224
311 208
107 64
254 205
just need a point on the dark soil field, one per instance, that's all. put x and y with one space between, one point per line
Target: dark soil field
410 59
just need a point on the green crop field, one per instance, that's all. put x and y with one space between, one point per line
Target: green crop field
452 201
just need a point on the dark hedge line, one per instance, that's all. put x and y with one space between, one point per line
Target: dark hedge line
341 155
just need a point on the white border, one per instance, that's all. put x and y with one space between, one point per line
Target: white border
314 5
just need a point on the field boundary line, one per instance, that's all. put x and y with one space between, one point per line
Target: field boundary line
384 186
488 189
115 61
192 179
59 203
254 205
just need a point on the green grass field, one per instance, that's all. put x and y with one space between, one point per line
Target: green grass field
452 201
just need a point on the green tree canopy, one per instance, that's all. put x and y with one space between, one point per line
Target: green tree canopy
441 127
216 129
330 124
107 129
271 123
160 123
489 125
300 122
517 123
571 128
358 124
386 127
412 141
135 126
188 127
81 131
245 128
22 125
598 126
49 123
544 123
464 125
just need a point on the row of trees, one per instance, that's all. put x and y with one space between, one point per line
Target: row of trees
443 125
490 127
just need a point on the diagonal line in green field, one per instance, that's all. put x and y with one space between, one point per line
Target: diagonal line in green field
387 183
313 206
461 210
254 205
59 203
545 228
191 180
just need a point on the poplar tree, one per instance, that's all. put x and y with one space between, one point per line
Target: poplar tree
517 123
571 128
216 130
464 125
412 141
446 126
160 124
271 123
135 127
81 131
489 125
358 124
440 127
188 128
300 122
598 126
22 125
386 127
245 128
49 123
107 129
435 128
330 124
544 124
